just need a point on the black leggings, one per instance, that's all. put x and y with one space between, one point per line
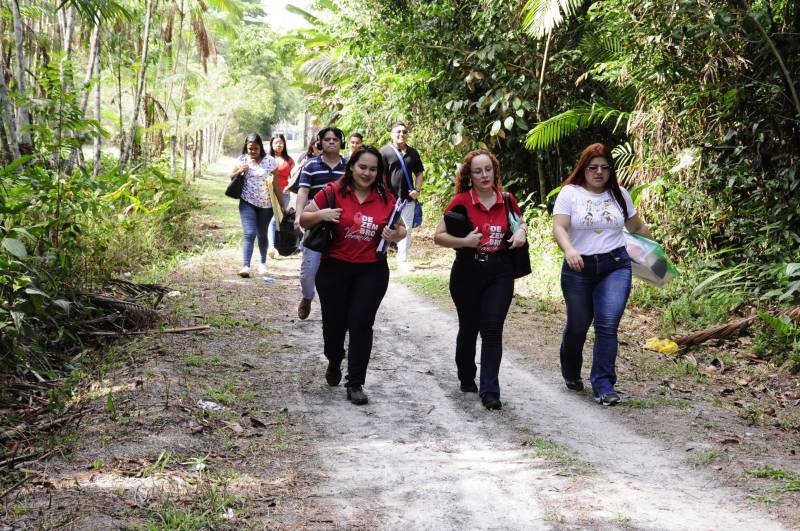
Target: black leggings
482 293
349 295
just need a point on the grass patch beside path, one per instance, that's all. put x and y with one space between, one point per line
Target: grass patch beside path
558 454
433 285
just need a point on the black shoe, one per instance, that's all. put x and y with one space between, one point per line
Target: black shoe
574 385
491 401
608 399
333 375
469 387
356 395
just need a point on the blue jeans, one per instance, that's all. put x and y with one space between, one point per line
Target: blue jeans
254 224
308 271
274 222
599 292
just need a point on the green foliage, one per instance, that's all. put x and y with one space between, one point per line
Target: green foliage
62 229
554 129
780 340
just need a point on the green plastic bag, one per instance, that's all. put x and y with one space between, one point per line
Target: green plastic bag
648 259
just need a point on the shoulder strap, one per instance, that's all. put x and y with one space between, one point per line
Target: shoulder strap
507 201
330 204
403 165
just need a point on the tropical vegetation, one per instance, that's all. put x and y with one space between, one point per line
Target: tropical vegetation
698 99
109 109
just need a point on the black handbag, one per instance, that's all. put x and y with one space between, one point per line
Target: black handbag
234 189
457 223
286 239
520 256
319 237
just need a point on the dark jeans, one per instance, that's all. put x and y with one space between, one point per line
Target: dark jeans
600 293
349 295
482 293
255 221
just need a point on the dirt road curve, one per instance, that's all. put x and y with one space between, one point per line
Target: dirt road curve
423 455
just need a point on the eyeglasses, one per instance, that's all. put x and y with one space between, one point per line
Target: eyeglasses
402 131
593 168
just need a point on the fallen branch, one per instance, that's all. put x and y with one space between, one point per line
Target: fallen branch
152 331
18 430
19 458
726 330
15 486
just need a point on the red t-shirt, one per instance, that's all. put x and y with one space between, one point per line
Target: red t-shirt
356 236
493 222
283 171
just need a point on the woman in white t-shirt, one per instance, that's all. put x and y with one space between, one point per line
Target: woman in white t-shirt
590 212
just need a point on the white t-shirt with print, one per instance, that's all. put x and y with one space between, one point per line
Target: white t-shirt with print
596 220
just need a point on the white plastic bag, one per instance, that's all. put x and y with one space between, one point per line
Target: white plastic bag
648 259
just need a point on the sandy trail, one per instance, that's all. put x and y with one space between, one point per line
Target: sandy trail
423 455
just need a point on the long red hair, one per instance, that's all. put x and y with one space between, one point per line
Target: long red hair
464 178
578 175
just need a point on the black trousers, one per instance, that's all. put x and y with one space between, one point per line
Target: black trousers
349 296
482 293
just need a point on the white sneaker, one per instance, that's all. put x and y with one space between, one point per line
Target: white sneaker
262 269
245 272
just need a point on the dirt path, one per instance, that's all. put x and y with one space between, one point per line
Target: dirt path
422 455
279 449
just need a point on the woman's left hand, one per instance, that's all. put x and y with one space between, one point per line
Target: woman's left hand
391 235
518 239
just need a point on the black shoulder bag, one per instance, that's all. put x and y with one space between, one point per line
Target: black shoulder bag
319 237
234 189
520 256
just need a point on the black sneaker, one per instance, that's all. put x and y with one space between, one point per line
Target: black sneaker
356 395
469 387
333 375
608 399
491 401
574 385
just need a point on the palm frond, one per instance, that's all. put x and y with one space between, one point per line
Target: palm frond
543 16
552 130
98 10
599 49
311 19
231 7
325 68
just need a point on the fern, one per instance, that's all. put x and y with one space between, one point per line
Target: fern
552 130
598 49
543 16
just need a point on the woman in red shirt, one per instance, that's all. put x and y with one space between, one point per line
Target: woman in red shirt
277 149
352 277
482 277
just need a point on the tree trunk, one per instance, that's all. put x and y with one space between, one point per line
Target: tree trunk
194 157
137 98
94 49
173 144
7 111
24 119
221 137
98 140
185 154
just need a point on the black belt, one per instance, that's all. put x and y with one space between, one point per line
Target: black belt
471 255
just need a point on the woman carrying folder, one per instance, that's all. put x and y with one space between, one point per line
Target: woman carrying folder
353 277
482 277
